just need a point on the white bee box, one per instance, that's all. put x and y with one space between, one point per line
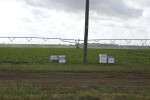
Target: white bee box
62 59
54 59
111 60
103 58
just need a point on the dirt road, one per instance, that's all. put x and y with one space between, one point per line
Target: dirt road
120 80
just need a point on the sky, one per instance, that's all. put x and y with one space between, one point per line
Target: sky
108 19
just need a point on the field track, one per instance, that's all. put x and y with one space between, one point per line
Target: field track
120 80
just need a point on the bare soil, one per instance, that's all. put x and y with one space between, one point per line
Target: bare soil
121 81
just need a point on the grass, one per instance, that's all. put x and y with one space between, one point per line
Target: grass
18 89
70 67
39 59
82 96
123 57
26 91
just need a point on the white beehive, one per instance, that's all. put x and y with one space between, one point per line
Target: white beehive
103 58
62 59
111 60
54 59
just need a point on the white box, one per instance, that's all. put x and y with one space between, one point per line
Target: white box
54 59
111 60
62 59
103 58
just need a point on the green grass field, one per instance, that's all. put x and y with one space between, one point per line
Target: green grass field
38 59
123 57
29 58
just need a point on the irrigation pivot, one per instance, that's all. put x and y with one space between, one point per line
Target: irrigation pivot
86 31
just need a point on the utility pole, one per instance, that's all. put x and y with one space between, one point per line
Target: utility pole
86 31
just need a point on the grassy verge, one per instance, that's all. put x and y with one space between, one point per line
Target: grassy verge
71 67
27 91
81 96
13 89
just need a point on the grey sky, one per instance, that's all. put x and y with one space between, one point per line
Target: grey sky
116 8
65 18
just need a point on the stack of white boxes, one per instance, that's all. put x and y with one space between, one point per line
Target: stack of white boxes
111 60
103 58
54 59
58 59
62 59
106 59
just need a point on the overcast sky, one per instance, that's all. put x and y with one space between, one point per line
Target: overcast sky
66 18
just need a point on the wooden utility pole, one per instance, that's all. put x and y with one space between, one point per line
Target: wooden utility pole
86 31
